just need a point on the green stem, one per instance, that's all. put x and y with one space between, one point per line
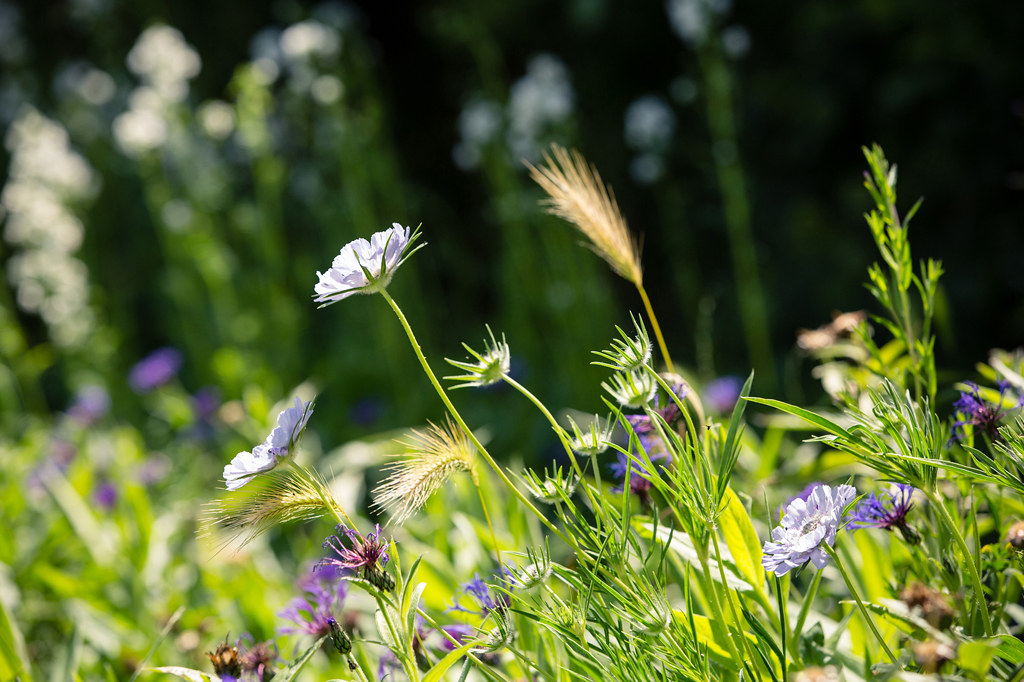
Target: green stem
406 658
462 424
656 327
805 608
558 430
972 570
863 609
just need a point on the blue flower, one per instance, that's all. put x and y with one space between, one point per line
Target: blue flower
976 412
887 511
482 594
807 525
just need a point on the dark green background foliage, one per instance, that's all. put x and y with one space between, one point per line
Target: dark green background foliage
937 84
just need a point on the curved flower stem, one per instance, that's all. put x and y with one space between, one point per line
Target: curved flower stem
972 569
558 430
494 537
853 590
656 327
462 423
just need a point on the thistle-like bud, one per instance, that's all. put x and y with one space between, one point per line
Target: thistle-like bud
594 440
632 389
339 638
490 366
626 353
380 579
532 574
551 488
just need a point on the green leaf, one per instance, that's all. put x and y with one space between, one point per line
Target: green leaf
185 673
13 655
806 415
292 670
448 661
742 541
977 656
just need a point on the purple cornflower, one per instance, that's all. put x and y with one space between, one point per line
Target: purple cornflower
722 393
480 592
887 511
155 370
976 412
91 404
312 614
806 526
255 658
105 495
459 632
368 553
652 444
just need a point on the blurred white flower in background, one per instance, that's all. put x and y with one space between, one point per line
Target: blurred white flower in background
47 181
541 98
692 19
163 60
648 127
480 122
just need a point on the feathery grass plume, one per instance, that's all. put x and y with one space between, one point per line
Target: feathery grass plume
290 494
435 455
578 196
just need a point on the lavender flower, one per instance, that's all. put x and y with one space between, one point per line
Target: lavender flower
155 370
651 443
459 632
279 444
324 596
91 404
976 412
255 659
368 554
805 527
722 393
105 495
887 511
365 267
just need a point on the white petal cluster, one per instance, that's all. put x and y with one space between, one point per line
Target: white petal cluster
363 267
806 526
164 61
291 422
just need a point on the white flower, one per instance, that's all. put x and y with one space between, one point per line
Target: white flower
806 526
365 267
162 59
245 465
279 444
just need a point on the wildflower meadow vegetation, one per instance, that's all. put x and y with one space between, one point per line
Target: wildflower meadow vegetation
261 518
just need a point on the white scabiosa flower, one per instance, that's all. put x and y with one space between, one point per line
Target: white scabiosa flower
365 267
806 526
291 422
